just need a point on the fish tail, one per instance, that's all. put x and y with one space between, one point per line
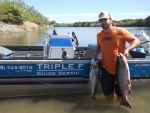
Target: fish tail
125 103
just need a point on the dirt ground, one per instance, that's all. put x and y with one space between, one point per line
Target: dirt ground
9 28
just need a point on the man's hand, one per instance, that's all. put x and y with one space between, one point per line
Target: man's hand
93 61
126 52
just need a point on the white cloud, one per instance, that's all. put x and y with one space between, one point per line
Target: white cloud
80 17
137 13
75 15
130 15
69 17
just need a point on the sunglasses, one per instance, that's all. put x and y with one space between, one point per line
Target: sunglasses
104 19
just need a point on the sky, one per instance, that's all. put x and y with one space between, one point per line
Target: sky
70 11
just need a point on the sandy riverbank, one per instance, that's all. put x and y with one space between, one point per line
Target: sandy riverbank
26 26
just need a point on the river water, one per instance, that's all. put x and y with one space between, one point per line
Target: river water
73 103
79 103
85 35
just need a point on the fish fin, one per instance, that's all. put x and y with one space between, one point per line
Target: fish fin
129 88
129 92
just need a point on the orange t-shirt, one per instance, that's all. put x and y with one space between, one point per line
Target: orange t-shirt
111 43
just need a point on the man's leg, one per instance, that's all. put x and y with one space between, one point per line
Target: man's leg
117 89
110 97
108 84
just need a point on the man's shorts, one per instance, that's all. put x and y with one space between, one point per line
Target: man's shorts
109 83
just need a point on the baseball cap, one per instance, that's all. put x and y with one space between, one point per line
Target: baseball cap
104 15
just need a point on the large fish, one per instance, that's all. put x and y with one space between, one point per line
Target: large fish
123 74
93 78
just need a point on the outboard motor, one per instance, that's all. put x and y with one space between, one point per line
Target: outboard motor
144 40
143 48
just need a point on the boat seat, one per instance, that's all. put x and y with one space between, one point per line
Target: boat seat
135 54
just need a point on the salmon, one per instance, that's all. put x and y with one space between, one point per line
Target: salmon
123 74
93 78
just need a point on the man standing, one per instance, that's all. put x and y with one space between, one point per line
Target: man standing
111 41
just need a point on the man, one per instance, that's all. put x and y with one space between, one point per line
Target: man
111 41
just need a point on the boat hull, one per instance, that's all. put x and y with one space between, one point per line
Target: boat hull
61 71
29 73
30 67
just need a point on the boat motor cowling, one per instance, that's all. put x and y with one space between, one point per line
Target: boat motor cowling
144 40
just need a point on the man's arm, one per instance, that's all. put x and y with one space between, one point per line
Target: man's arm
96 53
133 45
